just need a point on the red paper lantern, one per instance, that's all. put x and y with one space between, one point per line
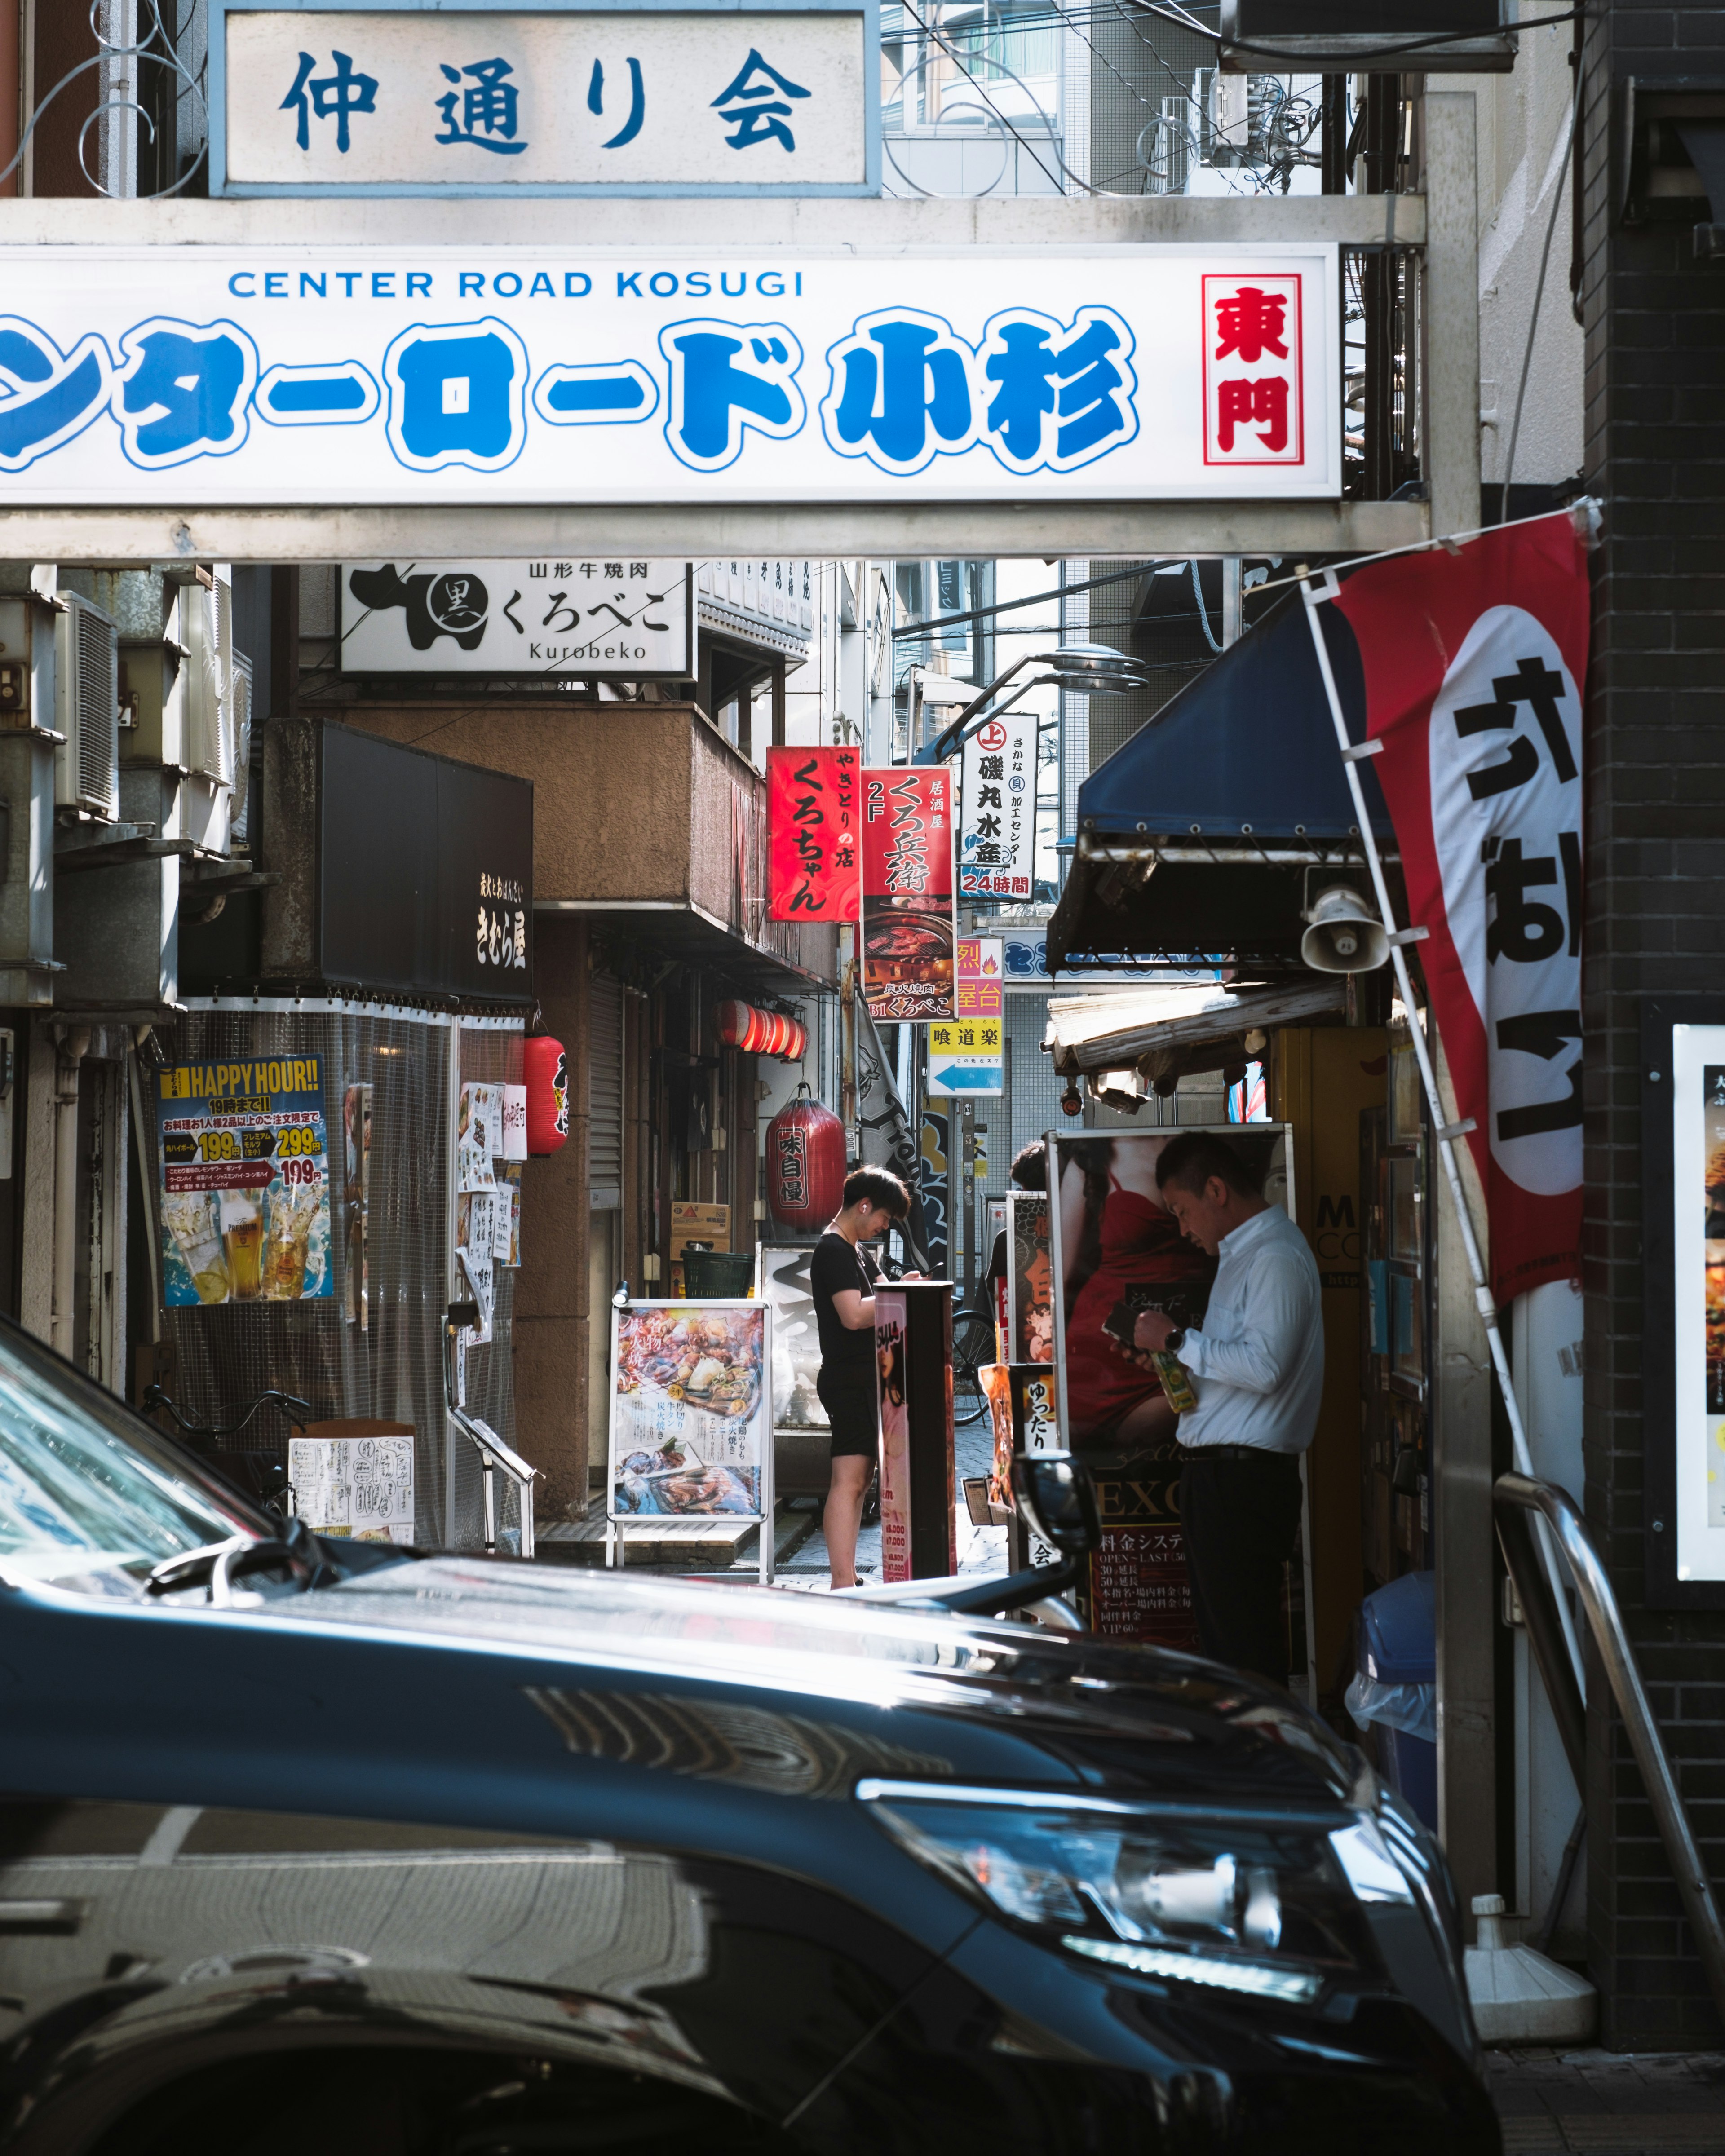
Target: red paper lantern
548 1076
805 1163
761 1032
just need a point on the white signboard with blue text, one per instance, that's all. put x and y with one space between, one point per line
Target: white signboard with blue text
208 375
334 98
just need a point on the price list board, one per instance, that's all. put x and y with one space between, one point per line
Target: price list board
245 1189
1139 1587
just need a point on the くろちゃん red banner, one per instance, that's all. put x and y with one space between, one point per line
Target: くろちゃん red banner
811 833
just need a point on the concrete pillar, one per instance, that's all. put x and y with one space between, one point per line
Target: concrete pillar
553 1319
1450 317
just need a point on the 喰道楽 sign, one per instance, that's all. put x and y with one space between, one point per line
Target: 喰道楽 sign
408 100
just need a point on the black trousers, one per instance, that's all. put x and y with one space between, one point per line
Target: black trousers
1240 1518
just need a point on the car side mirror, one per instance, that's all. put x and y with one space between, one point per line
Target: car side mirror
1056 1496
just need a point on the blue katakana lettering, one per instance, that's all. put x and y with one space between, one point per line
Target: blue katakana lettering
488 105
1061 395
594 393
46 396
183 390
333 96
457 395
340 394
637 103
726 377
901 392
757 110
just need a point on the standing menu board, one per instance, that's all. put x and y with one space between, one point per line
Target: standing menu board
245 1186
691 1412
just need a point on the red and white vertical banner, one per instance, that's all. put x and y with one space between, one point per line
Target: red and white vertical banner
908 923
1474 664
812 809
1254 370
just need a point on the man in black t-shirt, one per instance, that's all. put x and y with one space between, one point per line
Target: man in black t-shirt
842 1277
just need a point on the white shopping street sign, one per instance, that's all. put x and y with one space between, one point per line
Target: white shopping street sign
585 616
640 99
204 375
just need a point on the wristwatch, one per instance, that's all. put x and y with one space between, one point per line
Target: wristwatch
1175 1341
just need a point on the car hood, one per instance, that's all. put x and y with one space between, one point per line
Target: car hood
1007 1701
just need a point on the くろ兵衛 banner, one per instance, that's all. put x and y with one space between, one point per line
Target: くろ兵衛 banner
907 892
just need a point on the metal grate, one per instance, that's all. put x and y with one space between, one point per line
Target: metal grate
97 688
604 1094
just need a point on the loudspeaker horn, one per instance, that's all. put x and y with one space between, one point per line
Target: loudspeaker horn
1346 936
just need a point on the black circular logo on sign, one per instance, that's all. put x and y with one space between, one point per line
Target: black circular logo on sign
458 602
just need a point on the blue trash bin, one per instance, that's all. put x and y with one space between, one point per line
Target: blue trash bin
1395 1686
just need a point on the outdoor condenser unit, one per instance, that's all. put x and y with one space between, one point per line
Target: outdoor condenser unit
87 707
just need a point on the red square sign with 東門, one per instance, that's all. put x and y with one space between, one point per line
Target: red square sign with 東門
1254 401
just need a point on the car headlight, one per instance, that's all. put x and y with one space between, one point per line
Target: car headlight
1275 1906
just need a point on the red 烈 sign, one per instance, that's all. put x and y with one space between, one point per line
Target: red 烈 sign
908 924
812 834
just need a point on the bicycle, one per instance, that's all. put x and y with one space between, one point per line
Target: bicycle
973 1348
260 1476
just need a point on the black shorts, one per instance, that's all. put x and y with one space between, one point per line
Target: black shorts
849 1403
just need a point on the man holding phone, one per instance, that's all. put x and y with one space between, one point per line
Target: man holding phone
1257 1366
842 1276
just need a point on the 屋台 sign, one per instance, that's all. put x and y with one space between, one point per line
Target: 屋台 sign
409 100
204 375
547 617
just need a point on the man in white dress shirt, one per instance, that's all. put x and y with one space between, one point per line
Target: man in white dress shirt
1257 1366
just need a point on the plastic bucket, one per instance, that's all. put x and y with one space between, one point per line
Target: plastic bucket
718 1275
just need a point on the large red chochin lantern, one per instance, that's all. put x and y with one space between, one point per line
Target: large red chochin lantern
805 1163
547 1071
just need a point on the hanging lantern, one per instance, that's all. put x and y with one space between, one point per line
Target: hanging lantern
547 1071
761 1032
805 1163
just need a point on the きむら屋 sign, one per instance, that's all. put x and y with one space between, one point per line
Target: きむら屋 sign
198 375
390 101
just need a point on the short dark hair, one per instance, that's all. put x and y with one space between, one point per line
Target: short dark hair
882 1187
1029 1166
1191 1159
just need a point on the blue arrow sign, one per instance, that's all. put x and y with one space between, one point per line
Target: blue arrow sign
968 1077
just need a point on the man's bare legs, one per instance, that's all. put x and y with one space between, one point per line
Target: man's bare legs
849 1487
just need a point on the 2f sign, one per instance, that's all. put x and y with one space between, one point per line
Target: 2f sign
1254 411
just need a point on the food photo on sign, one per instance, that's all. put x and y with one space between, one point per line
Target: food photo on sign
245 1189
908 923
691 1409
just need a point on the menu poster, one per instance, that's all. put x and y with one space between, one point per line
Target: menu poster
356 1486
478 1137
245 1187
691 1410
908 927
1030 1305
509 1181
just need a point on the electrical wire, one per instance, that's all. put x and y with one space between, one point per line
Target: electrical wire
940 38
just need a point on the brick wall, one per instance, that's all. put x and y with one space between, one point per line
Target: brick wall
1655 321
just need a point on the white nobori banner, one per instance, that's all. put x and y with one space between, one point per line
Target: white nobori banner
204 375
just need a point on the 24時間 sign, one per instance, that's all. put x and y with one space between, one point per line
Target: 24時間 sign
195 375
811 828
245 1186
907 894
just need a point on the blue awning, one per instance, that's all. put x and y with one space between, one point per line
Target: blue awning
1247 748
1194 836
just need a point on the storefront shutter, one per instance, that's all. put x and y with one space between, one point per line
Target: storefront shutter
604 1094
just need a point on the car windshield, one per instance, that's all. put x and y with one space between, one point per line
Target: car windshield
90 1496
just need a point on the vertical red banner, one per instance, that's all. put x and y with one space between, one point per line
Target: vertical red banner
908 892
811 833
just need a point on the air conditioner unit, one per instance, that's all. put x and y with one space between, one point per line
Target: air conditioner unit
206 614
87 707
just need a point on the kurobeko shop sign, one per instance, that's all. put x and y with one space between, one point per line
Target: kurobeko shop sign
207 375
